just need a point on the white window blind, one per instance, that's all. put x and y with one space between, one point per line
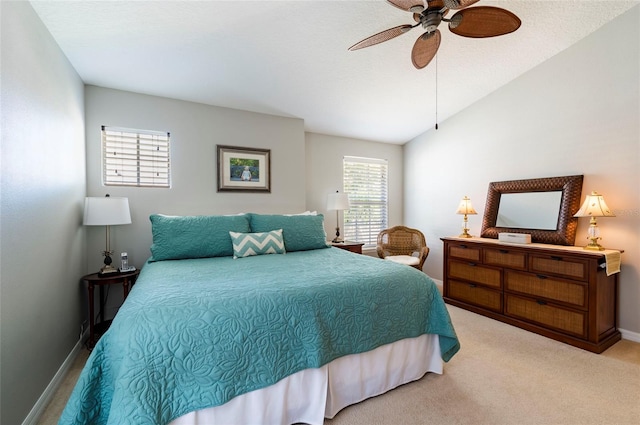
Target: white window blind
135 158
365 181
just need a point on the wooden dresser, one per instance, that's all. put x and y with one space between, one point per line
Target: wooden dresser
560 292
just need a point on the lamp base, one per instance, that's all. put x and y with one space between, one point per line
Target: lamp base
465 234
594 246
337 239
107 270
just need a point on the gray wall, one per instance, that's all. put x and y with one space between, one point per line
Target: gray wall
324 172
577 113
43 186
195 130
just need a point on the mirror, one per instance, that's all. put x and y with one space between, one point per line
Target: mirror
529 210
541 207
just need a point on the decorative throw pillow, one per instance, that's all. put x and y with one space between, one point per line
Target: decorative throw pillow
300 232
181 237
248 244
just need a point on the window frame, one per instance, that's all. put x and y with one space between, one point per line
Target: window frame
377 208
133 144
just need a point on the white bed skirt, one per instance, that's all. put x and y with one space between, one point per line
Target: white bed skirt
313 394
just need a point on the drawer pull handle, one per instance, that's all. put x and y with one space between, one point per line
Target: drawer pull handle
472 264
541 276
463 246
473 285
541 302
557 258
504 251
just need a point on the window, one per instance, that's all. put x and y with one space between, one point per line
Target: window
365 180
135 158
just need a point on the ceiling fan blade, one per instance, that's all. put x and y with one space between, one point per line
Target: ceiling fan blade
414 6
381 36
425 48
483 21
458 4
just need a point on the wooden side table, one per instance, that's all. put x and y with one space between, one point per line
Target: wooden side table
349 246
92 280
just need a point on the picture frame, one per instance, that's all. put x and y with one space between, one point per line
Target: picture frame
242 169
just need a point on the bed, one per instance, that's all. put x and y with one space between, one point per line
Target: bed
215 332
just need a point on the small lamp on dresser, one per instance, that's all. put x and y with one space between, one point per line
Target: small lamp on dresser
594 206
107 211
465 208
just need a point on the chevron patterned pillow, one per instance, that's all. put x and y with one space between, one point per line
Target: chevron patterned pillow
248 244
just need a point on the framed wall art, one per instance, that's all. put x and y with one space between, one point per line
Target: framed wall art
243 169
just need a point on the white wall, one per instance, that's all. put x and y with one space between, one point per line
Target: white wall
42 189
324 156
195 130
577 113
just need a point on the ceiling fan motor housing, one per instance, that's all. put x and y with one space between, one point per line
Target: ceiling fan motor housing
430 20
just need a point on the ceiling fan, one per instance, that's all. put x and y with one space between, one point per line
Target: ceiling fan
475 22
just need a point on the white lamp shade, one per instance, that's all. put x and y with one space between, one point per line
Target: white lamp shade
594 206
465 207
106 211
338 201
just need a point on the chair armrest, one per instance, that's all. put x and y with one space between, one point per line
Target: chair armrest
424 253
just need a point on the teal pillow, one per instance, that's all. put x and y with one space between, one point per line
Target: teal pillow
181 237
300 232
248 244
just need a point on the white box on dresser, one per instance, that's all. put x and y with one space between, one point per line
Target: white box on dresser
514 237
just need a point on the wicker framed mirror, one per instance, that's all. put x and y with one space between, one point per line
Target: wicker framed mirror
564 232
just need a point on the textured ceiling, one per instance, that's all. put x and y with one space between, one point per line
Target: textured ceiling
290 58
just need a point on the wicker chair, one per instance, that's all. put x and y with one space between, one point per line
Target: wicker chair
403 245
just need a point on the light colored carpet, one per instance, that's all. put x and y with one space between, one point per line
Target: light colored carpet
501 375
505 375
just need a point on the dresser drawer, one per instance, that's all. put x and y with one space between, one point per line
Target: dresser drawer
476 295
550 288
559 265
464 251
505 258
549 315
472 272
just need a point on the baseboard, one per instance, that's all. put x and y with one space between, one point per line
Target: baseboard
631 336
38 409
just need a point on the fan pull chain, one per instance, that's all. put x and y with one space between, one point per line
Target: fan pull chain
436 92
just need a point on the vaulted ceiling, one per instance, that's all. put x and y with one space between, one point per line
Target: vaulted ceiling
290 58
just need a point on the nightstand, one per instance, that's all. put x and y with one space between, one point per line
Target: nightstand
92 280
349 246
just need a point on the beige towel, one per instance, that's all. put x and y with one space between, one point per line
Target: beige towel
612 261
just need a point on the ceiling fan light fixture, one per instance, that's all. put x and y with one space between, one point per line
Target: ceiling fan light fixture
455 21
431 20
416 9
427 35
458 4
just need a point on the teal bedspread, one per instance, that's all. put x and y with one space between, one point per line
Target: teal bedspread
195 333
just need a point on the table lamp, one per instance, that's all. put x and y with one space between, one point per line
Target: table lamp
594 206
339 202
465 208
107 211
